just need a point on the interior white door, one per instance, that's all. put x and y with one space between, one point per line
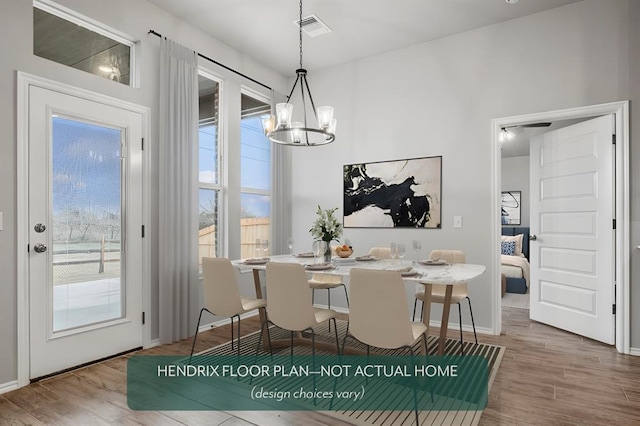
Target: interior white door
85 242
572 212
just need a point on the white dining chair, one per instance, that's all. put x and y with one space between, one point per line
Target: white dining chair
379 313
459 291
222 295
290 305
380 252
327 282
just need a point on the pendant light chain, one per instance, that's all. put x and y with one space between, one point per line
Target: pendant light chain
301 133
300 28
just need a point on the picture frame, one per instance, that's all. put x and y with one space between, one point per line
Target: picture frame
393 194
511 207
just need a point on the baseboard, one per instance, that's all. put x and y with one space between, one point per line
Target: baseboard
634 351
8 387
454 326
153 343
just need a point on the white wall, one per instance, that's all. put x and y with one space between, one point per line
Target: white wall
135 18
515 177
439 98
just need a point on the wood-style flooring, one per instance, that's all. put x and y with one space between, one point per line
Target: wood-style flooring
547 376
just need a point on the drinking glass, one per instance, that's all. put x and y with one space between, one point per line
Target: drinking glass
393 251
417 246
258 246
265 246
402 250
290 245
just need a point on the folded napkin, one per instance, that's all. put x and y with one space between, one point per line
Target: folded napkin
406 269
308 254
366 257
256 260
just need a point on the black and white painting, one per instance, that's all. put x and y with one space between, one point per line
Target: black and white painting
392 194
511 208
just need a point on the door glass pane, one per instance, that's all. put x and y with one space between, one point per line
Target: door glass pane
87 229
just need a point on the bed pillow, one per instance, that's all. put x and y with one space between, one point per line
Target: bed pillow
517 239
509 248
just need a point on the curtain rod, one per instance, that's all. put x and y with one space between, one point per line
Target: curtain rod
221 65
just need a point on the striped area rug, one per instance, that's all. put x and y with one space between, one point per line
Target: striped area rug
440 415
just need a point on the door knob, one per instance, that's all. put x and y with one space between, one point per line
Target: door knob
39 228
40 248
532 237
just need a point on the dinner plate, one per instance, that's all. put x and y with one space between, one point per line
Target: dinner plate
304 254
365 258
256 261
405 272
438 262
319 267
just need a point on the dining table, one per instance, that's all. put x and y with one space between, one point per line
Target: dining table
426 273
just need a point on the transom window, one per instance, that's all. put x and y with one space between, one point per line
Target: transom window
68 38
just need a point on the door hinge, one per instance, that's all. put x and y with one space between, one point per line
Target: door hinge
613 309
143 318
142 231
27 248
143 144
613 139
614 224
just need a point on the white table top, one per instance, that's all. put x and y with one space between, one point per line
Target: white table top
450 274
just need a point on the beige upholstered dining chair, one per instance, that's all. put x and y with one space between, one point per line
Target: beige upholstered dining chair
459 291
379 313
222 296
380 252
290 305
327 282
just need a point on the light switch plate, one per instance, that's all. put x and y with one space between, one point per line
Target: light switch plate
457 221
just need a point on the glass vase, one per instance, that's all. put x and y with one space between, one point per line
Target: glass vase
327 253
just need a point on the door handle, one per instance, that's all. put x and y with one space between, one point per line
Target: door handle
533 237
40 248
39 228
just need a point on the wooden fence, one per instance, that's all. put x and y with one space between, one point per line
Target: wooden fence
250 229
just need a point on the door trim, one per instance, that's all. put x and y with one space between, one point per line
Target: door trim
620 110
23 82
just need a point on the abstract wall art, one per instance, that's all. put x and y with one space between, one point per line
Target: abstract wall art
393 194
511 208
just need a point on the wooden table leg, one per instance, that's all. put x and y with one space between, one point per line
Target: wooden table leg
426 307
445 319
261 312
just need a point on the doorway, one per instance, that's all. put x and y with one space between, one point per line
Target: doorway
621 209
83 278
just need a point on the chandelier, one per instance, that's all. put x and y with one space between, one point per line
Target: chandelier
320 130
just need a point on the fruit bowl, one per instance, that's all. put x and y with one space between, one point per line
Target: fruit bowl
344 251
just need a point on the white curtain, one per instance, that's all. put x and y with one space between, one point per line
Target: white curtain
178 198
280 190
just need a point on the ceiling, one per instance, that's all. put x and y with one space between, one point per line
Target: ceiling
264 29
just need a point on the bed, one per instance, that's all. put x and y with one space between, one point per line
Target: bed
515 267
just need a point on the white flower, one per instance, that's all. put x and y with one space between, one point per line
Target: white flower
326 227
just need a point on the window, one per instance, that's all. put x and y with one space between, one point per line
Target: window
67 38
209 182
255 164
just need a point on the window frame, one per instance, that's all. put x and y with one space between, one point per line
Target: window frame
221 186
244 90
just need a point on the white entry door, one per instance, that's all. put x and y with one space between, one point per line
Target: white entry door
85 219
572 212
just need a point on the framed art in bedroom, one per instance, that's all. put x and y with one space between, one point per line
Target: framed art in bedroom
511 207
393 194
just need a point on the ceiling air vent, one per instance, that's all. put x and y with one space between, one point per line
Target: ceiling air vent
313 26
